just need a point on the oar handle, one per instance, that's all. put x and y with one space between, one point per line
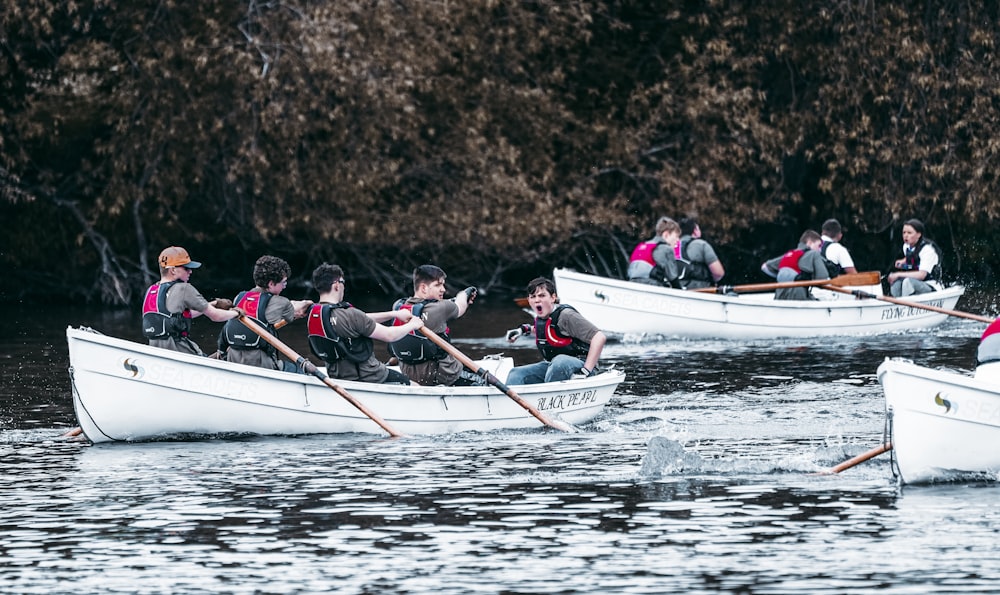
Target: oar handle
310 368
494 381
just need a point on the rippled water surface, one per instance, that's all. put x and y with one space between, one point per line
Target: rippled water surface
700 477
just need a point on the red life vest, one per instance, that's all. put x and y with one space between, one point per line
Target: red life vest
550 340
157 322
414 347
327 344
238 335
992 329
644 252
790 260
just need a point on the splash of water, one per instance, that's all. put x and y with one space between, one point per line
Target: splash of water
665 457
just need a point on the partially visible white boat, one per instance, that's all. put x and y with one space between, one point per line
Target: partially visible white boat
625 308
943 425
130 391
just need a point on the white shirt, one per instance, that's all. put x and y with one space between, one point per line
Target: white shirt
837 254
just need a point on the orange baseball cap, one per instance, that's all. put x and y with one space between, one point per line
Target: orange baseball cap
175 256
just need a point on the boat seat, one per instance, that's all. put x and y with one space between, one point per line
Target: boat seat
497 365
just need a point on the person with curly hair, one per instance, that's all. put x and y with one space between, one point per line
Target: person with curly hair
265 305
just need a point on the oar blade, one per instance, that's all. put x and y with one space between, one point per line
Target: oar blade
856 279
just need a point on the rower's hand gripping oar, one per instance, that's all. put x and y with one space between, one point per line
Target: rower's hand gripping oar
864 294
309 368
494 381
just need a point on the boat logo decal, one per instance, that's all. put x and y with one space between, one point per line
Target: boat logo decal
948 405
130 366
600 295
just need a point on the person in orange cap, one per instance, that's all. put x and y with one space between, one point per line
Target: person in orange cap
172 303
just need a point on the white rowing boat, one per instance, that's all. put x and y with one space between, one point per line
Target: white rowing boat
635 310
944 425
129 391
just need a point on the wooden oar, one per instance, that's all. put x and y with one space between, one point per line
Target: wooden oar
494 381
312 369
861 458
892 300
849 279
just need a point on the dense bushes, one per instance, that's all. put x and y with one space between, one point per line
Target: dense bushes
495 138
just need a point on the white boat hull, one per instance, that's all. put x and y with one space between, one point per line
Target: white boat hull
129 391
625 308
944 425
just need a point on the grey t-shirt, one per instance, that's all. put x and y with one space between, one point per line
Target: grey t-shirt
445 371
182 296
351 323
278 308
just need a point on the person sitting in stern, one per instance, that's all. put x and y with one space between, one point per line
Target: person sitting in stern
919 270
568 342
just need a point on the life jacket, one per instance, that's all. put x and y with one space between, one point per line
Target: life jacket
911 259
157 322
790 260
832 269
644 252
989 344
415 348
551 342
237 335
688 270
327 344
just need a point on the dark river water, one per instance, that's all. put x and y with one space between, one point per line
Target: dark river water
700 477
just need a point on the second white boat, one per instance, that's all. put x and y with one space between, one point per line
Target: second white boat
629 309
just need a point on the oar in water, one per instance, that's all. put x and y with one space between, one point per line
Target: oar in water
848 279
861 458
312 369
494 381
892 300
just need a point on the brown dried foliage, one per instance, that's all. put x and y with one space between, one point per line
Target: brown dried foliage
495 138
